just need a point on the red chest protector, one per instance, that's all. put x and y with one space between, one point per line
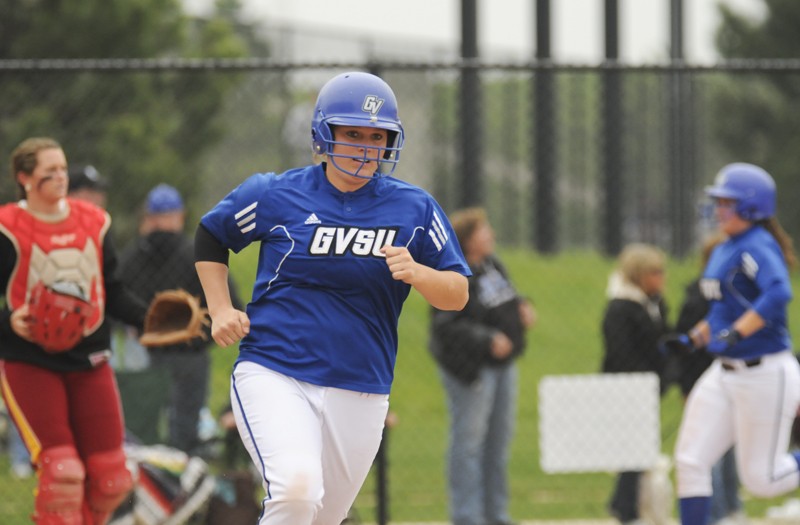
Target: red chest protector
54 254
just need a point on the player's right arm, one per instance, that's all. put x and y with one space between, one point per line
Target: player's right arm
232 224
228 325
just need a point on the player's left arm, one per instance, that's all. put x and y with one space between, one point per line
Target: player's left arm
767 269
443 289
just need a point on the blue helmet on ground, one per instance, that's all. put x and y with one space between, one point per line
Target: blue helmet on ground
750 186
357 99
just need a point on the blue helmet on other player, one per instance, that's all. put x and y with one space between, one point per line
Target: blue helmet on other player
750 186
357 99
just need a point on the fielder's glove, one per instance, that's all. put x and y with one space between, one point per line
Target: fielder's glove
173 317
724 339
675 344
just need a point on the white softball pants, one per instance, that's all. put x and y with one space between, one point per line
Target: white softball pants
313 445
752 408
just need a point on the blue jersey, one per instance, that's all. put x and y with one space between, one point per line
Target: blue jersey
325 307
748 271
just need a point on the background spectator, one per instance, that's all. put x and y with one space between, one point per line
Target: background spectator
86 183
161 258
634 320
476 350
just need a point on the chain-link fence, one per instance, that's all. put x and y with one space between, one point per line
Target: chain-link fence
562 156
571 163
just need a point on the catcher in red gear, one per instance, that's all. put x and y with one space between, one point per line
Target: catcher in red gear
57 272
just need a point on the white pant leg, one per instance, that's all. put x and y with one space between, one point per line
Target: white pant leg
766 399
706 433
352 431
313 445
280 427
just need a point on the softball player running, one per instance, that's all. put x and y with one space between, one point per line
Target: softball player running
341 247
750 394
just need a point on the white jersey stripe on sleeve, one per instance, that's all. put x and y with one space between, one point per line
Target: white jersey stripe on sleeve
436 226
247 223
249 218
442 229
435 240
246 210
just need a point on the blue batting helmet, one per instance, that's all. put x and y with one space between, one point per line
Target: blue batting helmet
750 186
357 99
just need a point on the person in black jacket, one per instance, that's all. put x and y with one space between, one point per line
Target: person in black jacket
162 258
635 319
476 350
693 309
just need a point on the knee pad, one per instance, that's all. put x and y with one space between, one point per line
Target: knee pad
108 480
61 487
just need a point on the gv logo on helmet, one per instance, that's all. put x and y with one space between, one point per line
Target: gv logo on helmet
372 104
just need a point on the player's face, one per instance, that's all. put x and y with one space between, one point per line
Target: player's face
729 221
361 147
481 244
48 182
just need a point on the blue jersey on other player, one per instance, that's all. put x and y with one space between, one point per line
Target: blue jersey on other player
748 271
322 284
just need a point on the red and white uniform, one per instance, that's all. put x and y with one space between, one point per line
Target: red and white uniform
66 405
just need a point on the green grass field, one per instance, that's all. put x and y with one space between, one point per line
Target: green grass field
569 293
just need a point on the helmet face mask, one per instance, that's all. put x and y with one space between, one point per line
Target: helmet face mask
750 186
361 100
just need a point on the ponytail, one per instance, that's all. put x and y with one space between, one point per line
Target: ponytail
784 240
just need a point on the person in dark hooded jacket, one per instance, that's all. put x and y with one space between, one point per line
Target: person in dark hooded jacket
162 258
476 350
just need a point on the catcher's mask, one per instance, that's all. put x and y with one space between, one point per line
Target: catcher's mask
60 312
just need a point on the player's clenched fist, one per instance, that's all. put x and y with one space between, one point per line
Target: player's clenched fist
229 326
400 263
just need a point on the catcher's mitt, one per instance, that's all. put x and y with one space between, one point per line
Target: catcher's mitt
173 317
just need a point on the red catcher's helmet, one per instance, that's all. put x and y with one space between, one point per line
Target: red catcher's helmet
59 313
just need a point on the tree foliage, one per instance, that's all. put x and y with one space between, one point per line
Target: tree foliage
138 128
755 117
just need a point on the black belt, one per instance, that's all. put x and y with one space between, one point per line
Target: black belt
747 364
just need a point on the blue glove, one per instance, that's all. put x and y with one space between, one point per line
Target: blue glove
723 340
675 344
